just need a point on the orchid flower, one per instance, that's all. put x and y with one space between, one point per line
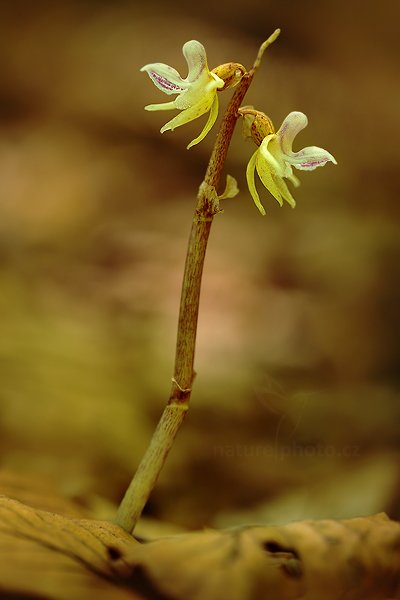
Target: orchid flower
197 94
274 159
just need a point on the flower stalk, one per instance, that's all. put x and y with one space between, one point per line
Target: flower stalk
174 413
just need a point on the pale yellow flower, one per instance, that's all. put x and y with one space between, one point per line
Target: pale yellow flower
196 95
274 160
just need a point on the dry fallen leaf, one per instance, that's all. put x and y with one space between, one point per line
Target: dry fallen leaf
356 559
50 556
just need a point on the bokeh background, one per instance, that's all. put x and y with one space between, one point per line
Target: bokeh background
295 411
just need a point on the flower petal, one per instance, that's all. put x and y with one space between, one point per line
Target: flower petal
310 158
270 151
212 117
162 106
265 175
294 122
186 116
274 183
196 58
166 78
251 183
295 181
284 191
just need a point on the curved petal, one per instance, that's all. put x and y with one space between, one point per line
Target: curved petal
210 122
166 78
251 183
273 182
196 58
294 122
310 158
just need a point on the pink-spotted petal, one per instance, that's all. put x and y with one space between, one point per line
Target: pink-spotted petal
166 78
310 158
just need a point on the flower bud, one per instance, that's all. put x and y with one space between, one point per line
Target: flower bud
256 124
230 73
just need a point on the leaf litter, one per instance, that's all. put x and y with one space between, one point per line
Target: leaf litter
46 555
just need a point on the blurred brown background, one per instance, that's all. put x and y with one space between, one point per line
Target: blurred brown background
295 411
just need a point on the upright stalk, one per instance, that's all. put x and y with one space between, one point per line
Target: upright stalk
174 413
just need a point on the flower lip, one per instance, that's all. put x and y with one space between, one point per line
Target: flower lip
168 80
166 85
314 163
